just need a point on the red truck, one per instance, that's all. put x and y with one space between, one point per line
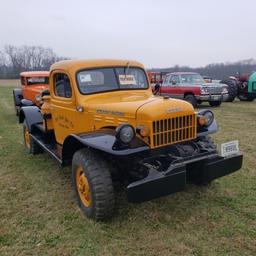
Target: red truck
192 88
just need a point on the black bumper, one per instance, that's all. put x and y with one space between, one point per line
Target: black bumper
199 170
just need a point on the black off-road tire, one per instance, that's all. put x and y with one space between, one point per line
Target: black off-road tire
245 98
215 103
191 99
232 89
100 183
32 147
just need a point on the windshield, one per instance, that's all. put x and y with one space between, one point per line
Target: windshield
110 79
191 79
37 80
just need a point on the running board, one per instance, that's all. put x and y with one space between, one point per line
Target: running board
47 149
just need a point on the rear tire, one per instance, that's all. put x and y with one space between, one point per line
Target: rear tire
92 183
215 103
31 146
191 99
232 89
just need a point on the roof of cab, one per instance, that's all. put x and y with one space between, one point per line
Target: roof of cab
74 65
35 73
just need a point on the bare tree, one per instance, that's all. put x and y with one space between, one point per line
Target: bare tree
2 59
30 58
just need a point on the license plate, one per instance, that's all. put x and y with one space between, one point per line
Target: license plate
216 97
229 148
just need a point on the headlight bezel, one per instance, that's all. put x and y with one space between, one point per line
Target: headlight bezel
120 136
224 90
204 90
206 114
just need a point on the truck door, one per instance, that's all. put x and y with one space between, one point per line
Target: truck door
63 106
171 86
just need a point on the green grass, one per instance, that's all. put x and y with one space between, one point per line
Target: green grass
39 216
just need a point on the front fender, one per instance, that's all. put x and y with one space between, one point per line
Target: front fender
101 140
17 96
31 115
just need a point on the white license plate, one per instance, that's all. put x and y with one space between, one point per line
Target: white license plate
216 97
229 148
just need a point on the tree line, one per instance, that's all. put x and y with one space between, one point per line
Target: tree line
14 60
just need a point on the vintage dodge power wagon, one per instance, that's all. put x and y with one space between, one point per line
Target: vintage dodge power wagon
33 83
101 117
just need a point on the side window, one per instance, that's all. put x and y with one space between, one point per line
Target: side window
23 80
174 80
165 82
62 86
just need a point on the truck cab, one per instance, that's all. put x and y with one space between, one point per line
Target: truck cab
101 117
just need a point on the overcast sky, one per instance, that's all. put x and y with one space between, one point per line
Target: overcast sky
158 33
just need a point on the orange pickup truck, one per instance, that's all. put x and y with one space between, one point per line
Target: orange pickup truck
33 83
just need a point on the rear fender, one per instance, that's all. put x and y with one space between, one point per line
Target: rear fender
31 115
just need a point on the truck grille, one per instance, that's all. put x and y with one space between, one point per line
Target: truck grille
213 90
173 130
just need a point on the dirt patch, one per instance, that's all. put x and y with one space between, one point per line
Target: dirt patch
9 82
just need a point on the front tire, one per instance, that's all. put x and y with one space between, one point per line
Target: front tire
92 184
215 103
191 99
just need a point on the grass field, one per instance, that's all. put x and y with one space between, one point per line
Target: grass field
39 216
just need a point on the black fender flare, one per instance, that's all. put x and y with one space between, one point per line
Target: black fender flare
26 103
17 96
31 115
104 141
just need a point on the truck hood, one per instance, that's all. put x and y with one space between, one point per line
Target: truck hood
39 87
211 85
205 85
134 105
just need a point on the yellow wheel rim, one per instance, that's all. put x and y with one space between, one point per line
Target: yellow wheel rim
83 187
27 137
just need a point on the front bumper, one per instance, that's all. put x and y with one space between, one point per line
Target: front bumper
199 170
209 97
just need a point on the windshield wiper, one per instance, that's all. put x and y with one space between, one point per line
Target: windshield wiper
126 69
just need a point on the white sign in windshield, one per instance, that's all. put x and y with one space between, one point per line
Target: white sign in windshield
85 78
127 79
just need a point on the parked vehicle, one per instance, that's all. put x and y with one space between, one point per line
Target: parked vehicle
33 83
101 118
207 79
192 88
155 77
242 86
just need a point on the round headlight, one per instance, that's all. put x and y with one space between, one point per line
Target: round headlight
209 117
125 133
224 90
